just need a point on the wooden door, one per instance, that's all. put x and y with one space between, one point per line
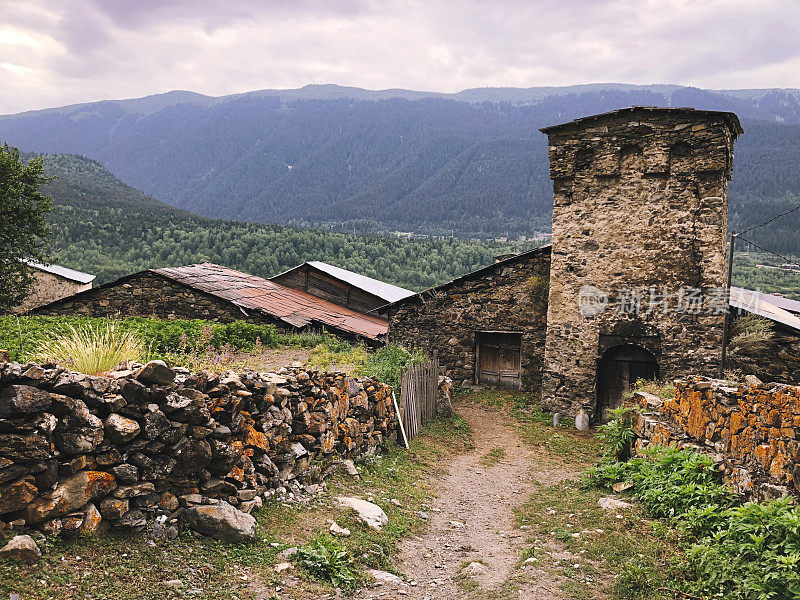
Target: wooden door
500 359
619 369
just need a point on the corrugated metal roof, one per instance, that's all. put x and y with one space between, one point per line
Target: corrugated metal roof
64 272
381 289
761 305
294 307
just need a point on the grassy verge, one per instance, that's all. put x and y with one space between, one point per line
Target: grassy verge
133 567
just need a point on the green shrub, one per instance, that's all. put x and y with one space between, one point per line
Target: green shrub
753 555
385 364
618 434
638 579
324 560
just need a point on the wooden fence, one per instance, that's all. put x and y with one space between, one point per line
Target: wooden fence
418 390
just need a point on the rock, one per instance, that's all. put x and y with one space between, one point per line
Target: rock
121 429
396 502
91 520
384 578
71 494
21 548
17 400
157 372
79 431
350 467
155 423
173 584
221 521
5 356
114 508
611 503
582 420
752 381
286 553
474 568
622 486
133 519
281 567
339 531
137 489
17 495
369 513
126 473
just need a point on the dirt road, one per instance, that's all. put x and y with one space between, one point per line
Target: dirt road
473 543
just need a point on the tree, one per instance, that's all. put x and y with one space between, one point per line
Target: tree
23 229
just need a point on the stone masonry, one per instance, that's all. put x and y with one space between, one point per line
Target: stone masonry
752 429
639 204
79 452
510 295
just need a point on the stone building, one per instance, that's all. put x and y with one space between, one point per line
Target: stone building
635 270
52 282
217 293
487 326
639 228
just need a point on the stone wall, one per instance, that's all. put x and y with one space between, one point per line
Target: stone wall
509 296
148 294
752 430
47 288
80 452
639 204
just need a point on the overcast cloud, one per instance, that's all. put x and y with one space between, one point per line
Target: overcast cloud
56 52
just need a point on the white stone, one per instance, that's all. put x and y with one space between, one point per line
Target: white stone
582 421
339 531
21 548
611 503
370 513
474 568
382 577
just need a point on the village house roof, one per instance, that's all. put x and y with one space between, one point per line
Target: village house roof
731 118
506 260
294 307
763 305
381 289
63 272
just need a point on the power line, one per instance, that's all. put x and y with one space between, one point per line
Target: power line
764 249
783 214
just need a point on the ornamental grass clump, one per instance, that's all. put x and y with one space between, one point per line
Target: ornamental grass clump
92 349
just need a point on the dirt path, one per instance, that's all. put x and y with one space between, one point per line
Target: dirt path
473 518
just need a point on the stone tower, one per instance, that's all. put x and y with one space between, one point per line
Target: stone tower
638 257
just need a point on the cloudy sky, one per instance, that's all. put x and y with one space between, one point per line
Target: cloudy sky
56 52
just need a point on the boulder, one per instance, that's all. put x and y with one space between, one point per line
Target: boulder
369 513
384 578
17 495
18 400
221 521
70 495
156 372
91 520
121 429
21 548
582 421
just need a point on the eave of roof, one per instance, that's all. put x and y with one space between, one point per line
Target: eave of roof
731 119
63 272
759 304
471 275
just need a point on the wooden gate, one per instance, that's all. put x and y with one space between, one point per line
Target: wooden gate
418 391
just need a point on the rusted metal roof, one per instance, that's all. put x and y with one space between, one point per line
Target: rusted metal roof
294 307
730 118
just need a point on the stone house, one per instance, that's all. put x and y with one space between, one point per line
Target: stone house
340 286
52 282
217 293
632 278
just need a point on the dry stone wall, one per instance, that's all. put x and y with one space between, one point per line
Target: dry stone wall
752 430
79 452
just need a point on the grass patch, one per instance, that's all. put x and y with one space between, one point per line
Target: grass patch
493 457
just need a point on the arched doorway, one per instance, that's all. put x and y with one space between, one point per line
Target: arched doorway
619 368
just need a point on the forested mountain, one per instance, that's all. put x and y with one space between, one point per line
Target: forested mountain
107 228
473 162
